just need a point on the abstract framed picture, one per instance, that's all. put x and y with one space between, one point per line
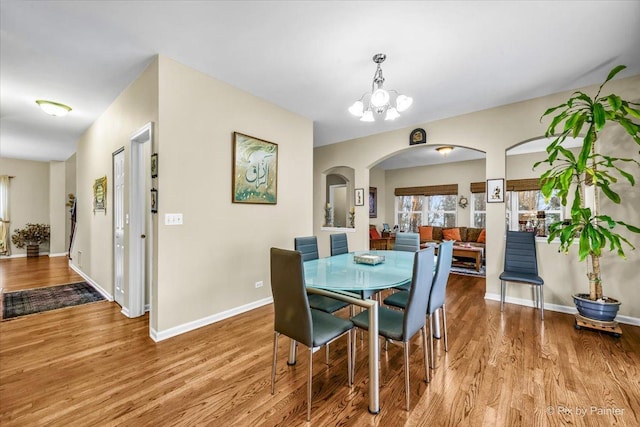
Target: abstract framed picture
255 170
154 165
359 197
154 200
495 190
100 195
373 202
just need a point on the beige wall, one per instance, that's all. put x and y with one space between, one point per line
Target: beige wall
70 188
57 200
28 196
494 131
210 264
136 106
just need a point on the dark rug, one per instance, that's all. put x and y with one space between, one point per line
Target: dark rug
21 303
467 268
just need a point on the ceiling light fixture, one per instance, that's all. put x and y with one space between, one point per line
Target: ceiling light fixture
445 150
53 108
380 101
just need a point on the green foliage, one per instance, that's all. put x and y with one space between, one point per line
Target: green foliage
569 174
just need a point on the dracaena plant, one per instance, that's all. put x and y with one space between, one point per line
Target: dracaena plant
568 175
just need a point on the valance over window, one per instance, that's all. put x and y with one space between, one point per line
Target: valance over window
428 190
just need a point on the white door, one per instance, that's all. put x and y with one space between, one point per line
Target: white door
118 226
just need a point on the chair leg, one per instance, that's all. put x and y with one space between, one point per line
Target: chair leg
444 327
354 340
406 372
541 302
502 295
275 356
426 352
349 368
431 358
310 380
326 354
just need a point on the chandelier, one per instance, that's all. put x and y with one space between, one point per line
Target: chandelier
380 101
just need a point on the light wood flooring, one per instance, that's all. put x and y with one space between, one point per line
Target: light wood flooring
91 366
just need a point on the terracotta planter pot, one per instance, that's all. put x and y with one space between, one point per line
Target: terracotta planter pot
33 251
604 311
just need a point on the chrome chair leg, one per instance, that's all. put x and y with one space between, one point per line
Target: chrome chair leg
431 359
444 327
275 356
349 367
326 354
309 381
541 302
406 372
426 352
502 295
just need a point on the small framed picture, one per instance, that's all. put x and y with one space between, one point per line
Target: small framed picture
154 200
154 165
373 202
418 136
495 190
359 197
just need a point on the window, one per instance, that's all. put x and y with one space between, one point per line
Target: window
478 210
523 208
436 210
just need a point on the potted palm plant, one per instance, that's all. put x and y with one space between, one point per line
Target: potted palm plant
31 236
569 175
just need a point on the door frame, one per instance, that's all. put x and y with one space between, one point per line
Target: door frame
122 301
137 220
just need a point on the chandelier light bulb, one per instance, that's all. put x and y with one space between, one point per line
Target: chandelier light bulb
379 98
357 109
392 114
367 116
403 102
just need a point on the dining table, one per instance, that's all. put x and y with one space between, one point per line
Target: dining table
341 277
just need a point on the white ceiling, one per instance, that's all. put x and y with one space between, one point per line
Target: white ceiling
312 57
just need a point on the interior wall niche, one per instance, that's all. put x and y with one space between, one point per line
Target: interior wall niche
339 196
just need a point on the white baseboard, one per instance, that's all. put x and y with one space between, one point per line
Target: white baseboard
556 307
58 254
190 326
90 281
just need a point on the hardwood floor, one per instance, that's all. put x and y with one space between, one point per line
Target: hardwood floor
90 365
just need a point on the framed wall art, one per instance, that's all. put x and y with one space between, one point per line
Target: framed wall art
154 200
255 170
359 197
100 195
495 190
373 202
154 165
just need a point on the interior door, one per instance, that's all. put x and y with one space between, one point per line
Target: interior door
118 226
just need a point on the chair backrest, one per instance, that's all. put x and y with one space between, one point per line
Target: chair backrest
421 281
290 302
520 253
408 242
441 276
339 244
307 246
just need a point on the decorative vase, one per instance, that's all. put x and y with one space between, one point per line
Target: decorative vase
33 251
605 311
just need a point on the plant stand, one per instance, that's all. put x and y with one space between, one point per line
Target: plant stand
597 325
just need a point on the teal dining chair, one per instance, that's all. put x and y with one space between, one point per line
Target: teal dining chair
295 319
401 326
408 242
437 296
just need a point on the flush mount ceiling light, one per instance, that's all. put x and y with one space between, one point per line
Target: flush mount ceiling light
445 150
53 108
380 101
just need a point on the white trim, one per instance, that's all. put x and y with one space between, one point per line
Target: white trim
190 326
58 254
90 281
557 307
344 229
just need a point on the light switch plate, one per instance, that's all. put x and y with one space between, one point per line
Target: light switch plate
173 219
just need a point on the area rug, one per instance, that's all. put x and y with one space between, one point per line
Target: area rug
21 303
467 268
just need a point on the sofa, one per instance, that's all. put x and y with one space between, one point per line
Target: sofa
473 236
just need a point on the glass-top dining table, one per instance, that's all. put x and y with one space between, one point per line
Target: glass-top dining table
340 276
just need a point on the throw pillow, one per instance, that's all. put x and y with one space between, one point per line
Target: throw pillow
426 233
451 234
482 238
